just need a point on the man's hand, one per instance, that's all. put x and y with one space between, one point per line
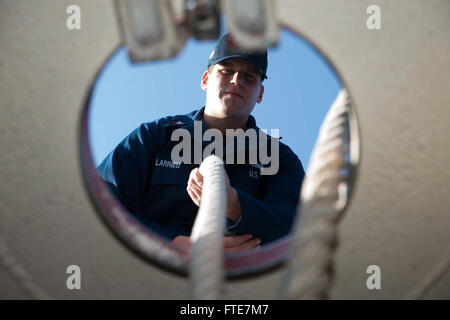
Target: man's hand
241 243
231 244
194 189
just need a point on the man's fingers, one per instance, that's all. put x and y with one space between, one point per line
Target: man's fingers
194 197
191 180
247 245
194 187
198 178
195 190
195 184
234 241
182 240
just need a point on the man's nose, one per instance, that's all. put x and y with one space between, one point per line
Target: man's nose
238 79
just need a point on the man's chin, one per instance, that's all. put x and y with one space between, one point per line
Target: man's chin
232 104
232 110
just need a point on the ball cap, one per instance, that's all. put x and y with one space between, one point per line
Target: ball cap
226 48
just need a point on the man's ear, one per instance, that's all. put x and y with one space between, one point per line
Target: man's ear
261 93
204 82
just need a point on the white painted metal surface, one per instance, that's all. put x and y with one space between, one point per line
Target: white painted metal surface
399 215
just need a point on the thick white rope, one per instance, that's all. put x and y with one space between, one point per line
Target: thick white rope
324 195
207 252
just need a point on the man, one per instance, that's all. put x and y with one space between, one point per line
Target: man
165 195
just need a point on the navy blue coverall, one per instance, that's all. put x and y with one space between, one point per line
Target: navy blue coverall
140 173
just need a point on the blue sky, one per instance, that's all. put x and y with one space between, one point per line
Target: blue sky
298 92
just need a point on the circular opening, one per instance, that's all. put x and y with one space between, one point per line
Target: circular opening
300 88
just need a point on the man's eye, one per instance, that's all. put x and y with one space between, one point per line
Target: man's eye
226 71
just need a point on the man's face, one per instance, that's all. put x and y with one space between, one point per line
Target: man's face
233 87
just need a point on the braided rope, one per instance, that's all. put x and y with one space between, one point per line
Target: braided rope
324 195
207 253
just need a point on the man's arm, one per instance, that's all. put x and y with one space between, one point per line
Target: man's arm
271 217
152 225
127 171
